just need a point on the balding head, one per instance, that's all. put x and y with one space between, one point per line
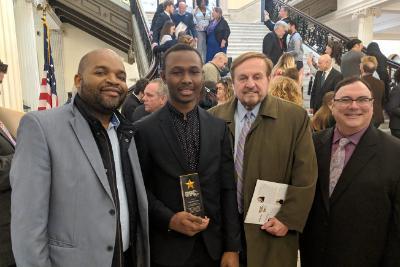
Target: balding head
92 54
220 60
324 62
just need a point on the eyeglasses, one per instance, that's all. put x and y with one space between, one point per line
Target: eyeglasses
361 101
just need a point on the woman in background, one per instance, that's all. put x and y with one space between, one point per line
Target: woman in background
393 106
323 118
218 32
287 89
286 61
224 90
373 50
167 32
202 17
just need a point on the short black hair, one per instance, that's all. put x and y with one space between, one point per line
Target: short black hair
3 67
167 3
198 2
140 85
294 23
350 44
351 80
177 48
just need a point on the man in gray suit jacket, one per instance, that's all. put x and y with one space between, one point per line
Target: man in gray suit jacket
78 197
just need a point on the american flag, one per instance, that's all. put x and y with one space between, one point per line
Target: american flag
48 93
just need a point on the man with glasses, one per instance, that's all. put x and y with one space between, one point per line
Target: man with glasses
354 220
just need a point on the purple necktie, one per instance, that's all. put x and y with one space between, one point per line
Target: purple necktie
248 120
337 164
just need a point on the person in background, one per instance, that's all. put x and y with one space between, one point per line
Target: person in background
218 32
325 80
292 73
368 66
159 10
273 43
7 149
212 69
393 106
286 61
323 118
332 48
182 16
224 90
287 89
202 16
161 19
381 69
283 15
167 32
134 100
350 65
186 39
295 46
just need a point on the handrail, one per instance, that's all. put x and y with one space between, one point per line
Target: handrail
315 34
142 37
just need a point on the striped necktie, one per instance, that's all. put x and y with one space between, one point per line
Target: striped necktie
337 164
248 120
5 131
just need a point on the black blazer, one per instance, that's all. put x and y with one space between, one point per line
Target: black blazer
6 155
271 25
358 225
393 108
222 31
131 103
162 162
139 113
272 48
318 91
159 23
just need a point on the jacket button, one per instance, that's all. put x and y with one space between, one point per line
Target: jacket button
112 212
109 248
131 132
127 140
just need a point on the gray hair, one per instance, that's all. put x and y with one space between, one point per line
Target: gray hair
162 87
282 24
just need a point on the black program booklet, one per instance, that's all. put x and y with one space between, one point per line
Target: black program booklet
191 194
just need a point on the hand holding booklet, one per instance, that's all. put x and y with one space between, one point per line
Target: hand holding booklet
266 202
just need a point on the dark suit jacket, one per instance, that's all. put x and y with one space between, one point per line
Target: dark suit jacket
358 225
270 25
318 91
129 106
378 92
393 108
159 23
139 113
271 47
162 162
222 31
6 155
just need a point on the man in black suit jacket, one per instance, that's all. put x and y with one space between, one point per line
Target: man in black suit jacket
134 100
283 15
7 149
357 224
181 139
273 44
161 19
325 80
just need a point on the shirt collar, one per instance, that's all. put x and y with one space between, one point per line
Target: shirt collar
354 138
179 114
242 111
114 122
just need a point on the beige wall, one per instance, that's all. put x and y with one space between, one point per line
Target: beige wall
76 44
236 4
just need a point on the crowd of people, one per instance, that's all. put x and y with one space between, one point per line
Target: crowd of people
86 185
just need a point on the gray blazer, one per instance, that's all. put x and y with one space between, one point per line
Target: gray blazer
61 197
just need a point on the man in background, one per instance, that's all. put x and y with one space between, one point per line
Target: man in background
273 43
351 60
212 69
155 96
134 100
181 16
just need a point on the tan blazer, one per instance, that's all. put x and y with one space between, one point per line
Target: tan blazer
278 148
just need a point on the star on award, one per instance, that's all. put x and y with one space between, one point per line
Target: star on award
190 184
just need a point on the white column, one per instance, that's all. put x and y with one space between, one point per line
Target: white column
11 93
366 24
26 34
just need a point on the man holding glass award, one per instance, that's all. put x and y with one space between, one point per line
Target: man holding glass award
187 164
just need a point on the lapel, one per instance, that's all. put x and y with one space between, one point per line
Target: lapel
89 146
205 141
167 128
364 151
3 134
268 108
228 115
323 148
328 79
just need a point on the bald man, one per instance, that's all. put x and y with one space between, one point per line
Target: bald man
326 79
78 197
212 70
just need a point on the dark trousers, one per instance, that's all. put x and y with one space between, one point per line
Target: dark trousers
198 258
395 132
243 252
